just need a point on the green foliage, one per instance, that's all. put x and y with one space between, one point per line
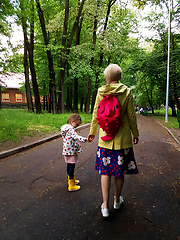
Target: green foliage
14 63
6 9
16 123
145 70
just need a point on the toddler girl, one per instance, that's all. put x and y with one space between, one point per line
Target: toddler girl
71 148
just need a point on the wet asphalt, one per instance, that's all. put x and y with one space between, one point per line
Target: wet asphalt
35 203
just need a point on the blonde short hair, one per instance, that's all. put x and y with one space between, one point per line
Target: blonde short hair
74 117
113 72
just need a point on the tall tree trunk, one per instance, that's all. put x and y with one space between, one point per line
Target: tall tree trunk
110 4
30 52
62 59
150 100
81 101
65 52
91 63
78 31
172 105
68 97
49 55
26 72
31 61
173 75
88 96
75 105
68 91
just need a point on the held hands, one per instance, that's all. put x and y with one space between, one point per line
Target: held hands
90 138
135 140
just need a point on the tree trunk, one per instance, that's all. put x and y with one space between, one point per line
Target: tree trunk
81 102
68 97
31 61
78 31
150 100
26 72
68 90
65 51
173 75
91 64
75 106
30 52
62 59
88 95
96 83
49 56
111 2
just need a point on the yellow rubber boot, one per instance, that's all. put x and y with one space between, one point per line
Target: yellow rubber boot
76 181
72 186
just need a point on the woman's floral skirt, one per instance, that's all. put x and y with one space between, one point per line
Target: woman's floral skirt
115 162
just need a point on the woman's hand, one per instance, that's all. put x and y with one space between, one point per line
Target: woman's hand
135 140
90 138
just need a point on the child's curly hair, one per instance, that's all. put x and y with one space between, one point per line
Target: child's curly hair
74 117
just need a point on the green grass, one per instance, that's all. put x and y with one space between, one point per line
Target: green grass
160 116
16 123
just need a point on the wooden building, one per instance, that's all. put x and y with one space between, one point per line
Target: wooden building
10 93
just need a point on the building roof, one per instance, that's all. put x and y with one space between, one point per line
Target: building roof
12 80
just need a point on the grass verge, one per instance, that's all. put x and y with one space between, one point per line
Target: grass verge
16 123
160 116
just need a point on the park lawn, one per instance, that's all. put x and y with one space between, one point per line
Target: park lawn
160 116
172 121
16 123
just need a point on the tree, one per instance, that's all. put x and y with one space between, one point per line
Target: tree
50 59
66 50
78 31
26 72
6 9
162 31
92 58
30 48
175 64
25 62
110 4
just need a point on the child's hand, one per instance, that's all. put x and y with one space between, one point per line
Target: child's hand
88 140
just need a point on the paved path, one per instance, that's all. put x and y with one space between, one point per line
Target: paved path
36 205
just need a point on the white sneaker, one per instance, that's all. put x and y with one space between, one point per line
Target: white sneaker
104 211
117 205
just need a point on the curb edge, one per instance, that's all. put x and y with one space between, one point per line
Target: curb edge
170 133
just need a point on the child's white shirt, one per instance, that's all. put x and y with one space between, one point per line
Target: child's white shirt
71 139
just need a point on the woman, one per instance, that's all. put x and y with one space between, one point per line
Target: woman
115 157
